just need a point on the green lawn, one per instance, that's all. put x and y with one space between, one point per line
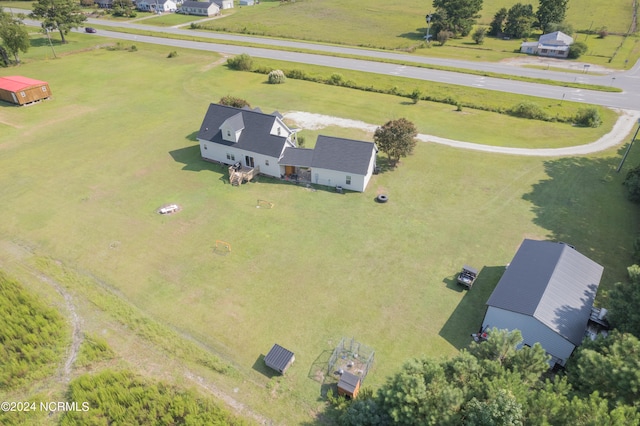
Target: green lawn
84 173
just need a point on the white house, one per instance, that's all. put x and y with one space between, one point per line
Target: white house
200 8
156 5
264 142
224 4
547 293
555 45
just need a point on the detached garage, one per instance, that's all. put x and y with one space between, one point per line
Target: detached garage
23 90
547 293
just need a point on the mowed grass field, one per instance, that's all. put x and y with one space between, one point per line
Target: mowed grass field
83 174
402 25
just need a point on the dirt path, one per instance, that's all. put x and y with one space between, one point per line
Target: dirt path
76 333
625 124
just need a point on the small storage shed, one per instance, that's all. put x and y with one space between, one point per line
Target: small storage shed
349 385
279 358
23 90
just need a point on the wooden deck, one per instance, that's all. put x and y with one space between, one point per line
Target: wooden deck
242 175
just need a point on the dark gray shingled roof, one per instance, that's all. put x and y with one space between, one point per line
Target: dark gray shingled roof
278 358
348 382
344 155
552 282
197 4
301 157
255 137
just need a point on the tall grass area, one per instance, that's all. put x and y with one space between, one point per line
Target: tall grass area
84 173
32 336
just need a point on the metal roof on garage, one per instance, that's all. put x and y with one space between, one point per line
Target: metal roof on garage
552 282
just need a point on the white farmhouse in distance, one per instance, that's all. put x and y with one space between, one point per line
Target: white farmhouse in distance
554 45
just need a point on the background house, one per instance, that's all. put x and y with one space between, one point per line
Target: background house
555 45
257 140
200 8
23 90
547 293
156 5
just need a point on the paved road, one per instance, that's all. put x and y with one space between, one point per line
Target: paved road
629 81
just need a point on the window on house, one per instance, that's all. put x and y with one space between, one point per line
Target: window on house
231 157
44 88
279 131
24 95
229 133
348 180
266 162
205 147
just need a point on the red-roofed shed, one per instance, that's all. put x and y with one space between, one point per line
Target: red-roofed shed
23 90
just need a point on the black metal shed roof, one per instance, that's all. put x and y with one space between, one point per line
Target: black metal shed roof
278 358
553 283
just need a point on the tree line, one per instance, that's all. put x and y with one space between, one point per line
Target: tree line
456 18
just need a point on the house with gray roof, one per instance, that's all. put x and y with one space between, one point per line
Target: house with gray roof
254 140
547 293
200 8
554 45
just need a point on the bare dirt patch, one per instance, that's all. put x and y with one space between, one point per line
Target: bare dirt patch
556 63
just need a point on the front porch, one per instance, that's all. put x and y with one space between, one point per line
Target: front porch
297 174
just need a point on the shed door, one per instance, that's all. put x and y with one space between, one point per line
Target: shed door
289 170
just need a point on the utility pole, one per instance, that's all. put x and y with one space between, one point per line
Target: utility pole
50 44
428 18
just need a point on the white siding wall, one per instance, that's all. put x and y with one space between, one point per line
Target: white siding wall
532 331
333 178
280 129
217 152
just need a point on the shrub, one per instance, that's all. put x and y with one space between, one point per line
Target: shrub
479 35
603 32
529 110
632 183
233 101
415 95
172 54
276 77
335 79
241 62
296 74
443 36
577 49
588 117
301 141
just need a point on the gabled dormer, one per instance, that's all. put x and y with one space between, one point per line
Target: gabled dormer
280 129
232 128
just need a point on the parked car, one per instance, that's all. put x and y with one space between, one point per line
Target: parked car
90 30
467 276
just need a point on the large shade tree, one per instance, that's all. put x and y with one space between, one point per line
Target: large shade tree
396 139
14 37
520 20
551 11
58 15
457 16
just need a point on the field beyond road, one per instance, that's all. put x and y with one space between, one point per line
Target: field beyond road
84 173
